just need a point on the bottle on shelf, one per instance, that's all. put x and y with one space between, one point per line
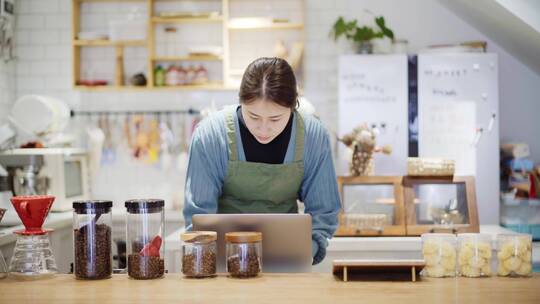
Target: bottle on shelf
159 73
171 77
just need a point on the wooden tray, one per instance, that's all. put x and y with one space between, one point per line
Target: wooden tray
387 270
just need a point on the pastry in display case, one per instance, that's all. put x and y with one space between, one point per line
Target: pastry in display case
371 206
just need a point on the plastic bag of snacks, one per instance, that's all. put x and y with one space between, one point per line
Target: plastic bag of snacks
514 255
439 251
474 255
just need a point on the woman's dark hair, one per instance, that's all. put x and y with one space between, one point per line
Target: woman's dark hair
269 78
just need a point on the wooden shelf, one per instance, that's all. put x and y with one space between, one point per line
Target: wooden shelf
105 42
189 58
218 16
274 26
194 87
187 20
218 86
108 88
111 1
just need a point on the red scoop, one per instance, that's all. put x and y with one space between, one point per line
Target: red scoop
152 248
32 210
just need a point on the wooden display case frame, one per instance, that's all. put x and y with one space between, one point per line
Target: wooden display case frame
415 229
398 228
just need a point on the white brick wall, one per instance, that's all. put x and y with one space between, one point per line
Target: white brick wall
7 88
44 66
43 39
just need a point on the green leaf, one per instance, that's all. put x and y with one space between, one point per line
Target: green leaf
386 31
338 29
351 31
364 33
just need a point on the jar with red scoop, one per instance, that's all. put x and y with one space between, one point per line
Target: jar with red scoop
145 246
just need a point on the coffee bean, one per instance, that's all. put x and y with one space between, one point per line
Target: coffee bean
93 252
136 246
145 267
241 267
202 265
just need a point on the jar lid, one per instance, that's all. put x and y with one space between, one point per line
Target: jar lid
243 237
92 204
199 236
135 204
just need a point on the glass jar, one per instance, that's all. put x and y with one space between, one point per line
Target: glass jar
145 247
474 255
92 230
439 252
199 254
244 254
514 255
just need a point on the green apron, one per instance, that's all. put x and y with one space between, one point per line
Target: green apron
251 187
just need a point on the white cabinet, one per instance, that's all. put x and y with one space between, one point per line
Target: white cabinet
373 90
458 118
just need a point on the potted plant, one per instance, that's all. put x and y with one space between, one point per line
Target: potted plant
361 36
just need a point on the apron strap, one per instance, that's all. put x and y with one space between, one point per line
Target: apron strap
231 134
299 145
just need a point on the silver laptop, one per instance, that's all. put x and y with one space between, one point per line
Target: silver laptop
286 238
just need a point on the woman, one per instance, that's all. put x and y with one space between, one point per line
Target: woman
262 156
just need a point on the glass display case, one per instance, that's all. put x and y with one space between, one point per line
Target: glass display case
371 206
440 204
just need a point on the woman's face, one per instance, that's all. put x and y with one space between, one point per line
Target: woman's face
265 119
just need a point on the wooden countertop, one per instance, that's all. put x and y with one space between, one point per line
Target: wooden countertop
270 288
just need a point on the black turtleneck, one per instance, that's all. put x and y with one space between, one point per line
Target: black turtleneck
270 153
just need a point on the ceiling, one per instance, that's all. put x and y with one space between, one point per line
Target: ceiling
513 24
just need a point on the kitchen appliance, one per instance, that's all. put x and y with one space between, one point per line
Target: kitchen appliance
32 256
286 238
42 119
59 171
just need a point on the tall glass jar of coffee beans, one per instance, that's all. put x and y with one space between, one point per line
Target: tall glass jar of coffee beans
145 247
244 254
199 254
92 223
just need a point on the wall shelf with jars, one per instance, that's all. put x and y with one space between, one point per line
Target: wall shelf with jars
180 44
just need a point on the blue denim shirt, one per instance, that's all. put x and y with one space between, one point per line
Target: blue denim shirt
207 168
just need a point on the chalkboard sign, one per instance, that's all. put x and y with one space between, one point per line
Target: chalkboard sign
373 90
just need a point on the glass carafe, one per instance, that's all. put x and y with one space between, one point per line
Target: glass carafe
32 256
